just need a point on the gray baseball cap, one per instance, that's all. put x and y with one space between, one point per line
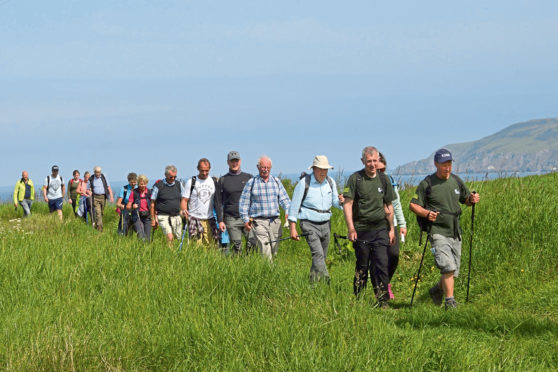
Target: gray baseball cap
233 155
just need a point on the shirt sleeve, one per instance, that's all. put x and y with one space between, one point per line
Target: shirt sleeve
121 193
389 195
464 192
244 202
284 200
186 190
297 200
350 188
420 193
131 197
16 191
217 199
335 196
154 192
46 183
398 211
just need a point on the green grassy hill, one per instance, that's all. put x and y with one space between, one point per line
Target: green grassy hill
71 298
530 146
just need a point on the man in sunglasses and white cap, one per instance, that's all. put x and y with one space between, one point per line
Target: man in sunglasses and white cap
313 197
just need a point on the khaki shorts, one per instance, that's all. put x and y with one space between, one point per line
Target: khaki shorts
171 225
447 254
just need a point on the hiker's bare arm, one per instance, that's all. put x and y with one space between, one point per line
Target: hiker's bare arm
422 212
348 211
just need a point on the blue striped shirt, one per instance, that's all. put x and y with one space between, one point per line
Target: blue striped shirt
320 196
264 199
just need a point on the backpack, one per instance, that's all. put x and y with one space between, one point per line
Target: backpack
423 222
307 180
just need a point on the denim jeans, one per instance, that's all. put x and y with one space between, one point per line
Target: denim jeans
26 205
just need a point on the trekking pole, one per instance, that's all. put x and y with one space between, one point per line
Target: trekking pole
420 266
337 236
282 239
471 248
183 234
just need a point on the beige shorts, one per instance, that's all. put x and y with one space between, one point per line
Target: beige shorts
171 225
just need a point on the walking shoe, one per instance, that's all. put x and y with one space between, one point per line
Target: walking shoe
383 305
436 294
451 304
391 296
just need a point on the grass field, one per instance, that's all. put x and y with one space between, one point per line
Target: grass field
73 299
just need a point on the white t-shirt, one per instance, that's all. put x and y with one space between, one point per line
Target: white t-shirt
200 203
54 190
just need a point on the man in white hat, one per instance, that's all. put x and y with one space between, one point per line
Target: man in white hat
313 198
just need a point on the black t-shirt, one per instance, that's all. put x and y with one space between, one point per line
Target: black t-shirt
229 189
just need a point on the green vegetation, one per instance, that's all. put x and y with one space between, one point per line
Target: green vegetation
71 298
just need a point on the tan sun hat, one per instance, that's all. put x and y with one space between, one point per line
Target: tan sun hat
321 162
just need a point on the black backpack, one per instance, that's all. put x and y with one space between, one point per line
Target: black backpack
307 180
424 224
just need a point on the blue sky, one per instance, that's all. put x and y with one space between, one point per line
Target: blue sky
135 85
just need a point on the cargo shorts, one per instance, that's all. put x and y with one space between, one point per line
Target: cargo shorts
170 225
447 253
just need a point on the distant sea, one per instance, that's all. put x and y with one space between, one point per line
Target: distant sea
403 180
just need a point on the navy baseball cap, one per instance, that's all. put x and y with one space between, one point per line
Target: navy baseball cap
442 156
54 168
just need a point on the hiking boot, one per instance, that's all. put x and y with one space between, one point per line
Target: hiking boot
451 304
383 305
436 294
391 296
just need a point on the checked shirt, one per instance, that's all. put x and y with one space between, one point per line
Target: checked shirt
263 199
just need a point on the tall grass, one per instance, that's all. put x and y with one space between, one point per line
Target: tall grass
73 299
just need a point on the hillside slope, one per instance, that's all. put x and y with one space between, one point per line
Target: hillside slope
530 146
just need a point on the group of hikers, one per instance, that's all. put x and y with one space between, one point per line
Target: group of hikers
240 205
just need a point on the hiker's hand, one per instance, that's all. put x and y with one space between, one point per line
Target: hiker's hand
248 226
352 235
222 226
46 199
185 213
391 236
403 231
432 216
70 201
154 222
135 206
341 198
15 205
294 233
474 198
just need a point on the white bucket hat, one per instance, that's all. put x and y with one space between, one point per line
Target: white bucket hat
320 161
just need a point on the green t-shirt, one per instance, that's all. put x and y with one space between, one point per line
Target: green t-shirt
445 196
368 200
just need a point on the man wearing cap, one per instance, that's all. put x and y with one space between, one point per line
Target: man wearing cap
369 217
229 189
313 198
101 190
24 193
259 207
437 199
53 191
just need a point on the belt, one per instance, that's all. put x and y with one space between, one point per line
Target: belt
315 222
317 210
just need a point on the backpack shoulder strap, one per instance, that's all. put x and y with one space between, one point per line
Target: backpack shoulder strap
48 182
193 185
307 180
383 179
330 181
458 180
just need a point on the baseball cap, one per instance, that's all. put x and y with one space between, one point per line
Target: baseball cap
233 155
442 156
54 168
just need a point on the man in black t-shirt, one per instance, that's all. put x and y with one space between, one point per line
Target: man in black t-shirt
229 189
369 216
